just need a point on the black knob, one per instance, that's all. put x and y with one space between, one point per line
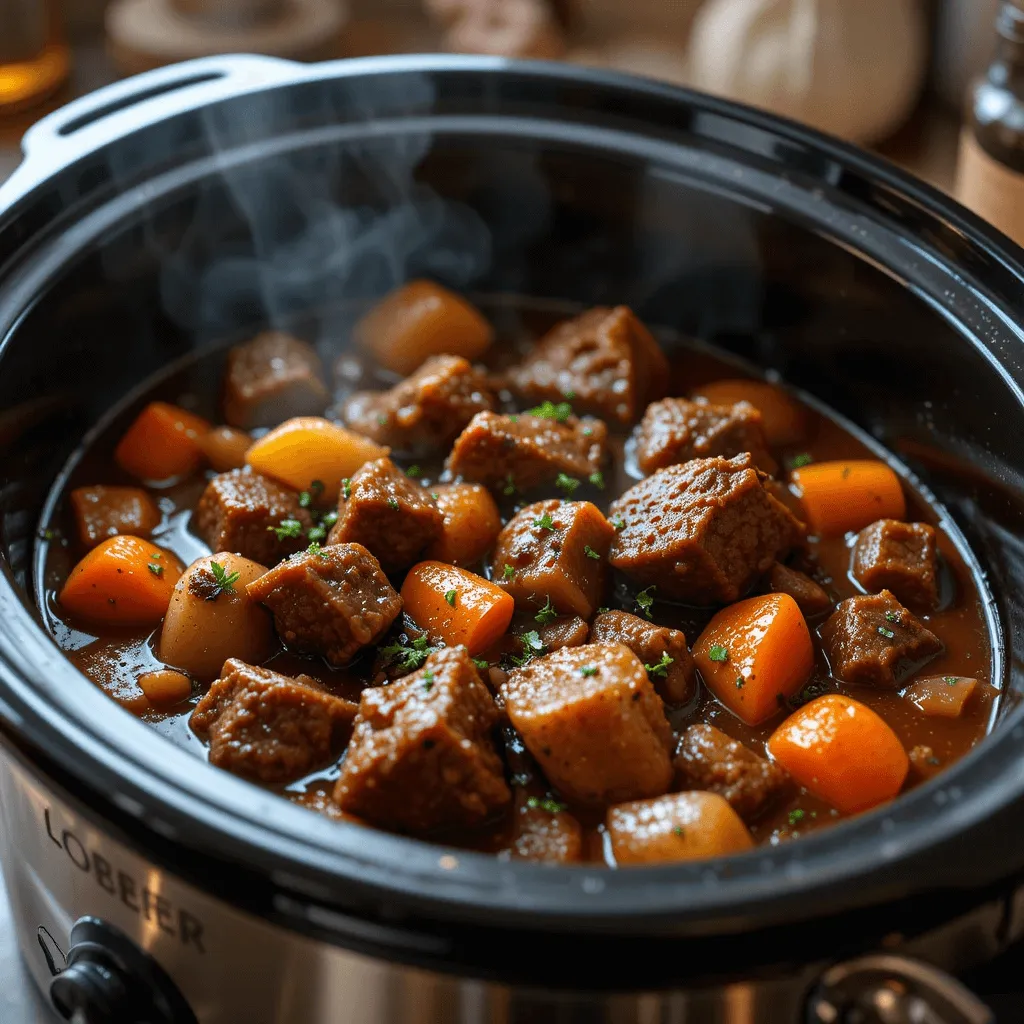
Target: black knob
109 980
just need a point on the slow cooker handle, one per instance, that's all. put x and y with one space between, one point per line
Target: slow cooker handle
110 113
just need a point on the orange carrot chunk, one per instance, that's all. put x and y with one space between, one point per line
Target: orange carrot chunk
941 696
456 606
163 443
309 448
842 752
125 581
421 320
165 686
784 420
472 523
755 654
848 495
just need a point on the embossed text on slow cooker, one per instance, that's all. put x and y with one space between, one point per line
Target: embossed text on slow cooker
138 898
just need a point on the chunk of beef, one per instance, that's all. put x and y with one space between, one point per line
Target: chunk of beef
702 532
677 430
273 378
558 553
593 721
427 411
253 516
564 632
872 640
421 755
811 599
663 652
102 512
386 512
707 759
270 727
923 762
516 453
606 359
901 557
334 602
677 827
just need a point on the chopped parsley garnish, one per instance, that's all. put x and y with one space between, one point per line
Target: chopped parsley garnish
510 486
393 503
951 680
569 395
795 816
382 420
661 669
315 549
47 535
588 670
509 572
892 616
428 680
587 431
678 830
597 479
618 522
812 691
346 488
532 646
548 804
547 614
224 581
719 654
740 682
414 471
567 484
591 553
155 568
316 533
409 656
798 461
550 411
645 601
545 522
887 633
481 663
307 498
450 597
287 528
602 610
435 495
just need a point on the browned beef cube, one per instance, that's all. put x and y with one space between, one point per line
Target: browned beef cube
812 599
333 602
385 511
103 512
271 379
678 430
564 632
708 759
270 727
544 831
558 551
701 532
421 755
605 359
593 721
901 557
243 512
663 652
516 453
872 640
427 411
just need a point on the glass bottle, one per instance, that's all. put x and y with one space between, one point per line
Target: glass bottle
34 59
990 175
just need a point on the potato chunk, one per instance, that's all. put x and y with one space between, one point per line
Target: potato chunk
592 719
681 826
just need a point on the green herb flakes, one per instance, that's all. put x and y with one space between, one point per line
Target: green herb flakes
286 529
548 804
414 472
532 646
567 484
588 670
887 633
550 411
155 568
482 664
450 597
393 504
719 654
801 460
740 682
428 680
547 614
618 522
545 522
510 486
951 680
678 831
346 488
316 549
645 601
892 616
660 670
224 581
307 498
508 573
408 655
795 816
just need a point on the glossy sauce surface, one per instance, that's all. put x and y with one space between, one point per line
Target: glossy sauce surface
113 659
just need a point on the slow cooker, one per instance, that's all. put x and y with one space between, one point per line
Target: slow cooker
163 215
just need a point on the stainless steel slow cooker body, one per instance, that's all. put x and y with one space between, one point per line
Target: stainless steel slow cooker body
175 211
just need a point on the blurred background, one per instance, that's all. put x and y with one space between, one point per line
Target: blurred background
891 74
